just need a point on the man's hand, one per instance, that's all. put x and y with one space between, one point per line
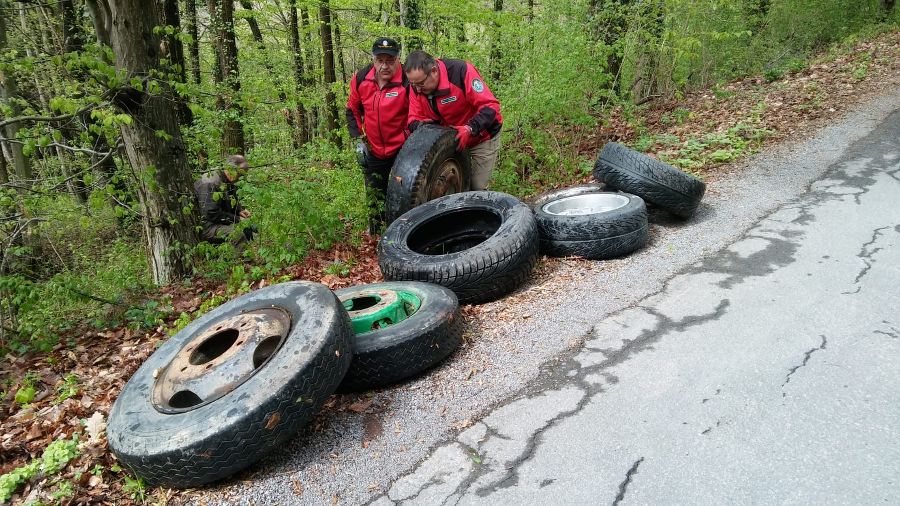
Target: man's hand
362 152
464 137
244 214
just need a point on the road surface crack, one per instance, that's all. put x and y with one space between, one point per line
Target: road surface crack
623 487
866 254
806 357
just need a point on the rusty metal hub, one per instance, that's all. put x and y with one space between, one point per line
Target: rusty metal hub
219 359
449 180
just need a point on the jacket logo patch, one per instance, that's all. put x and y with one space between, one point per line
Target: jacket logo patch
448 100
477 85
391 94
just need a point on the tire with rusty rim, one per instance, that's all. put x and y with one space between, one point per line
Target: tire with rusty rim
480 244
401 328
232 386
656 182
591 224
428 166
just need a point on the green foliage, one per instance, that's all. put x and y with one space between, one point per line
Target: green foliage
147 316
54 458
135 488
70 387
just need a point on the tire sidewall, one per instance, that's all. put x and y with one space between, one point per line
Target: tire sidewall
437 305
516 218
136 428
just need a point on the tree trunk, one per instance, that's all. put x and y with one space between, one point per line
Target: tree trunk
4 172
313 113
301 134
412 19
644 85
258 38
609 25
226 52
496 56
8 90
153 139
340 50
190 8
331 114
176 59
73 38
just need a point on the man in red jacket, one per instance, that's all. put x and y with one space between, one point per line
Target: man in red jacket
452 93
376 117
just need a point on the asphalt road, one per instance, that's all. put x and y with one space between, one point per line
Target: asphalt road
750 355
768 372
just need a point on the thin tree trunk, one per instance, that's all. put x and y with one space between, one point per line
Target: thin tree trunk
340 49
331 114
190 8
165 189
4 172
412 19
176 59
301 134
313 116
496 56
258 38
8 90
226 52
645 78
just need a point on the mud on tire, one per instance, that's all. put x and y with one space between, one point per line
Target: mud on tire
180 423
428 166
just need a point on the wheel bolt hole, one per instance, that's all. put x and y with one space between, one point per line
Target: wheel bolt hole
184 399
213 347
265 349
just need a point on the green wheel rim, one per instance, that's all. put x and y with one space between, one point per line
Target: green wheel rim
376 309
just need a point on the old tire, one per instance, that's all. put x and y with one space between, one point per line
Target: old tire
482 245
654 181
428 166
398 336
222 424
593 225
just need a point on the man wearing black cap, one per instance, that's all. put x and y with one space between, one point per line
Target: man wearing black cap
376 118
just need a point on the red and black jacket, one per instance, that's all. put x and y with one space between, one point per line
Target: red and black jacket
461 98
380 113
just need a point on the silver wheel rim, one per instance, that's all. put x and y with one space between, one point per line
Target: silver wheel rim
589 203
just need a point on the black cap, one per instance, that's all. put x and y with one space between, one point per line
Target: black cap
386 46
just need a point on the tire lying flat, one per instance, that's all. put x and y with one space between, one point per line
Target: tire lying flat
428 166
183 419
401 329
591 224
654 181
482 245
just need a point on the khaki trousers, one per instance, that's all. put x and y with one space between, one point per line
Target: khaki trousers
484 158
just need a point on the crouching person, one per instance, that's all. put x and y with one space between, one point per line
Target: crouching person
219 204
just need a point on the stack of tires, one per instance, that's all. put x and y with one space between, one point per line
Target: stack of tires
241 380
591 222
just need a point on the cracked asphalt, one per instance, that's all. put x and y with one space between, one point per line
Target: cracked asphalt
768 372
749 355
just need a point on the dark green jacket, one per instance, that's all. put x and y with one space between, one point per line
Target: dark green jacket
218 199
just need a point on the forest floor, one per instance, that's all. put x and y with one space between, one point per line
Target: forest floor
75 384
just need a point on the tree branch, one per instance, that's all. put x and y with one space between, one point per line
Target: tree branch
47 118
